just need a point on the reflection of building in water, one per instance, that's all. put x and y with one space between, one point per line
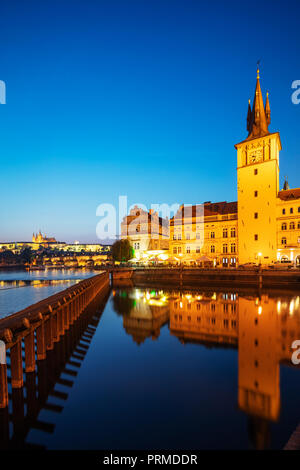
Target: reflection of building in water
206 318
262 328
148 312
267 329
259 392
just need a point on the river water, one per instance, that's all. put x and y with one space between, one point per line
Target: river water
179 370
19 289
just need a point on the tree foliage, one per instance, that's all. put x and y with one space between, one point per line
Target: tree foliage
121 250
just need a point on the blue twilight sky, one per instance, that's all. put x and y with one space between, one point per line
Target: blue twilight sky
144 98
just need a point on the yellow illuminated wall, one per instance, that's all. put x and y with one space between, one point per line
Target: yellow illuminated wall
258 186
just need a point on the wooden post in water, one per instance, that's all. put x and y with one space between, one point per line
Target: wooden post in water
16 365
29 352
48 334
66 314
60 324
40 342
54 320
3 376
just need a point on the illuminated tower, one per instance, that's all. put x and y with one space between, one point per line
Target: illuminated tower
258 184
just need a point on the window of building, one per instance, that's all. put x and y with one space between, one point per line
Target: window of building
212 249
179 249
174 250
256 237
255 215
283 241
291 210
174 236
225 233
232 247
179 236
233 232
225 248
212 234
298 209
298 225
283 211
292 226
198 236
255 171
188 249
283 226
255 193
188 237
197 249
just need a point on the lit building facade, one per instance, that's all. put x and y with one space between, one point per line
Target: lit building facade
205 231
263 226
146 232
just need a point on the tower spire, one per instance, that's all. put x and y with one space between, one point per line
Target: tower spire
249 116
268 109
257 122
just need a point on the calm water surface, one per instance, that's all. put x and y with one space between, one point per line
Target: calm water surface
19 289
177 370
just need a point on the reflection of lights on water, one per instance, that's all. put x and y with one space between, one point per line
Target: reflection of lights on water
292 306
137 294
278 306
148 296
180 304
297 302
260 310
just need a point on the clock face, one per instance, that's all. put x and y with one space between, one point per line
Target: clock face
256 156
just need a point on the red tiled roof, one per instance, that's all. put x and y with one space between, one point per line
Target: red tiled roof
289 194
215 208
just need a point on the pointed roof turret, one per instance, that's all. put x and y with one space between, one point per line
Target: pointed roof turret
249 116
258 123
286 185
268 109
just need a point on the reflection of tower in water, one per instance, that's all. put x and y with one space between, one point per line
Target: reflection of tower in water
267 328
258 382
263 328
